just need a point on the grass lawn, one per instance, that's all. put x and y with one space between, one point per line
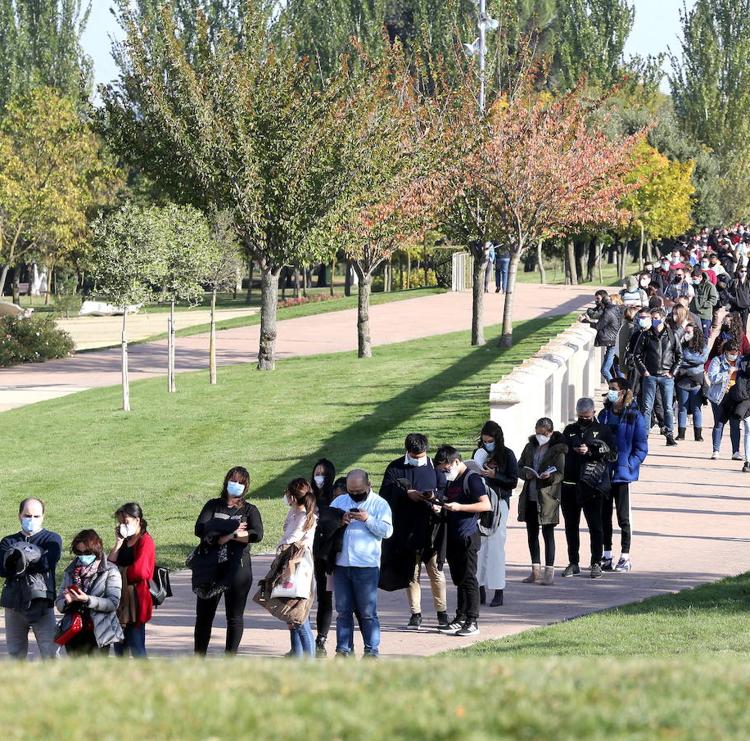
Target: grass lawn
443 698
84 457
555 273
714 618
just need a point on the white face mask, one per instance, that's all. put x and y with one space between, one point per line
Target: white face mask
542 439
319 481
644 323
451 474
418 462
127 529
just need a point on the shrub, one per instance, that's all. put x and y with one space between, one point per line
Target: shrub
32 340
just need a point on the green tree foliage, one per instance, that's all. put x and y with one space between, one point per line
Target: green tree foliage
40 46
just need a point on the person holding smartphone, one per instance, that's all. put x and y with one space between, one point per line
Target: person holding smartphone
92 585
226 526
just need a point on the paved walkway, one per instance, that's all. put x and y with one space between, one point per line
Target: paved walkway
331 332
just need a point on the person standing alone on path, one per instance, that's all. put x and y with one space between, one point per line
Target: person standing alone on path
591 446
502 268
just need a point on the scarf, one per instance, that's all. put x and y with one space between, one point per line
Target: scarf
83 576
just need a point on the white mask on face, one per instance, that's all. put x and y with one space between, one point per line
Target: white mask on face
127 529
418 462
542 439
319 481
451 474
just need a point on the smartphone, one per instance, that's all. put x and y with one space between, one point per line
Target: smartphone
404 483
354 509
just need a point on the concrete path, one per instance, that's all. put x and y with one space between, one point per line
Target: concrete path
690 518
92 332
331 332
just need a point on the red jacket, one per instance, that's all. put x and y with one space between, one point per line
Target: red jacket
139 573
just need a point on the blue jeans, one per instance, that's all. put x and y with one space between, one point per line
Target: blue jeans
502 267
689 402
734 432
135 641
303 643
356 588
649 385
607 361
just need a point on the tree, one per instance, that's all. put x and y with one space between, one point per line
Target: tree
237 126
52 171
40 46
528 174
128 264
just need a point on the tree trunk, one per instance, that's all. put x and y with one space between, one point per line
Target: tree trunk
269 296
540 262
171 386
591 261
125 380
212 342
578 247
50 277
333 273
408 270
400 274
650 250
571 257
479 255
16 288
348 278
599 261
304 281
296 282
250 270
424 257
3 278
506 339
641 254
364 343
622 254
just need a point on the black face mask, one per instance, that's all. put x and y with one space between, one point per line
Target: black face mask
584 422
359 496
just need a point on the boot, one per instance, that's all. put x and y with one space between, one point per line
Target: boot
497 600
680 433
320 647
698 434
549 576
670 440
535 574
482 596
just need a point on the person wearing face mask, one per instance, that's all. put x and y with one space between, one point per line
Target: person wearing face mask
29 592
539 503
499 468
663 275
588 441
721 377
679 287
93 586
741 294
705 266
657 358
367 522
418 532
134 553
628 425
323 477
689 379
607 328
221 563
628 328
704 299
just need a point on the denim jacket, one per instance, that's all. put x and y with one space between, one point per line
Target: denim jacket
719 374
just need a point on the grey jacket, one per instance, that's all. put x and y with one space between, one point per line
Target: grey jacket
104 599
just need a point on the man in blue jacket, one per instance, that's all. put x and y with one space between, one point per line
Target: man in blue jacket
630 429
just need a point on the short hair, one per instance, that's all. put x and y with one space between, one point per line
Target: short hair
658 310
416 442
622 383
630 312
585 404
546 423
730 346
655 302
358 473
24 502
91 540
446 454
602 293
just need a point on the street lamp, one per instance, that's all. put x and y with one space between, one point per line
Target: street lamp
478 47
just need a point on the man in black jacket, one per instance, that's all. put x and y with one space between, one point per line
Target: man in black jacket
25 610
657 356
587 441
607 328
418 538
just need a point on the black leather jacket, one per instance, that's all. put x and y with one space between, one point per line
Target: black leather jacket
658 353
608 326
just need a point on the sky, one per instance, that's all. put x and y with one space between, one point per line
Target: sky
657 25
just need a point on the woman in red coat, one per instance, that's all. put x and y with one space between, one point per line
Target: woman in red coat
135 554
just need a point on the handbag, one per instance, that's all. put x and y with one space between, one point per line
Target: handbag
159 586
593 481
69 626
296 578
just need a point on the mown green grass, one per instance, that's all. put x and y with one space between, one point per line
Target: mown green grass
447 698
85 457
714 618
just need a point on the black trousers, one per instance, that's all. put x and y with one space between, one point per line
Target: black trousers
325 600
532 532
462 559
619 499
235 599
572 513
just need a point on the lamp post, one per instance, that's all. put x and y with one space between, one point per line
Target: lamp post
479 47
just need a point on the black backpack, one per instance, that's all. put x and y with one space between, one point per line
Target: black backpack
489 521
159 585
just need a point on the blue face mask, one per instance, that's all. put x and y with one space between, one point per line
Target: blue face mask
489 447
235 488
87 560
31 525
656 323
612 396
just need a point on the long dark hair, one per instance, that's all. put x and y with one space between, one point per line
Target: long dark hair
498 454
697 342
324 495
132 509
244 478
301 492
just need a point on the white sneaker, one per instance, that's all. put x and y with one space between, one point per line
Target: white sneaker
715 455
737 456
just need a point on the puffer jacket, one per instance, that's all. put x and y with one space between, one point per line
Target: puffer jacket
548 490
104 599
631 433
657 352
608 326
704 300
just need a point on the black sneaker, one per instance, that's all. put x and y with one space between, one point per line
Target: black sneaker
596 571
571 570
453 627
415 621
606 564
320 648
469 628
670 440
746 467
443 621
